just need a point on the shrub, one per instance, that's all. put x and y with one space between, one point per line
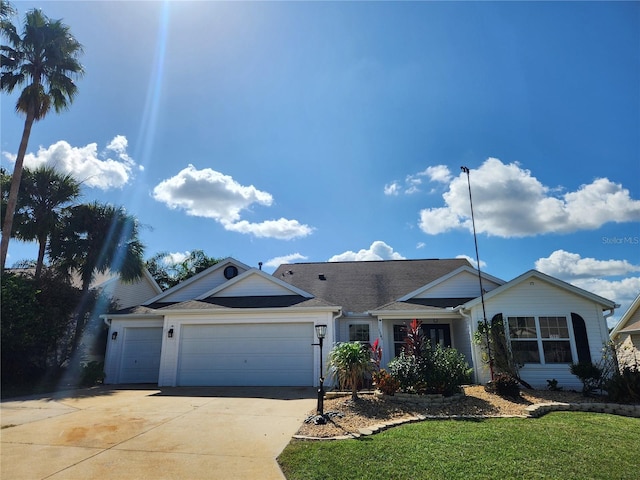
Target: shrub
624 386
504 385
92 374
445 370
405 370
553 385
436 370
589 374
385 382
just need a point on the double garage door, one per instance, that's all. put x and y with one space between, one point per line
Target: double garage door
246 355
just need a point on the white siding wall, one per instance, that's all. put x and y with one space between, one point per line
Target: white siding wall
254 285
536 297
131 294
463 285
343 331
461 340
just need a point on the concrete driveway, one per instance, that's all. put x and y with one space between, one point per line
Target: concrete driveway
155 433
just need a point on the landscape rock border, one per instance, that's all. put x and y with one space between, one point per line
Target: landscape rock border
533 411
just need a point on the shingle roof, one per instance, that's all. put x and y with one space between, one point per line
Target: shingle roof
364 286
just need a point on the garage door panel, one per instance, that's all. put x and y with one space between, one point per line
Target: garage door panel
140 361
251 354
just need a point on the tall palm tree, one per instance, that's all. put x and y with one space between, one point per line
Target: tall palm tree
43 194
97 238
45 61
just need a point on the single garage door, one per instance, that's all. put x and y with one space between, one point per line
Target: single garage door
247 354
141 355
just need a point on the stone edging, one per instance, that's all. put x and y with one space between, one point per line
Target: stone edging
533 411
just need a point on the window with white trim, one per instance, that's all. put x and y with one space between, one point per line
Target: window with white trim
359 332
540 339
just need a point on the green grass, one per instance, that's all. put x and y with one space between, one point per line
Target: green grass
561 445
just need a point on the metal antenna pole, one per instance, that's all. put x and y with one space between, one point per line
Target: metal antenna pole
484 312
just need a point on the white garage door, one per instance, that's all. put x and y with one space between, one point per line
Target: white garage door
249 354
141 355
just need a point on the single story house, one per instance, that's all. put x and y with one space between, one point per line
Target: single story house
626 336
233 324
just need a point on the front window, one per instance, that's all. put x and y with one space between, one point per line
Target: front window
540 339
359 332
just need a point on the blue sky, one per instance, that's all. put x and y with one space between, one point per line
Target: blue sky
287 131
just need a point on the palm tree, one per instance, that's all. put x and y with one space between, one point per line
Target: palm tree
43 193
45 60
97 238
349 361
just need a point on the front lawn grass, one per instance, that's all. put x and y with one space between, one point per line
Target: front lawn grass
566 445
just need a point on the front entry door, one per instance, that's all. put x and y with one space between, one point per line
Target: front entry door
437 334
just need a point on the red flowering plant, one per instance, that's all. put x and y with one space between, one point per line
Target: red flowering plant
381 378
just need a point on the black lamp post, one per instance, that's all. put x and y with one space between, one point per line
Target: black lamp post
321 332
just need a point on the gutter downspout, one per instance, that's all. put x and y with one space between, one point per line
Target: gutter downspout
467 316
611 343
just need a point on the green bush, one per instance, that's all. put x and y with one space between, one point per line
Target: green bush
589 374
624 387
436 370
92 374
504 385
405 370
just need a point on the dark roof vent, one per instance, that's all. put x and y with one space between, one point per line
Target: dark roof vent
321 276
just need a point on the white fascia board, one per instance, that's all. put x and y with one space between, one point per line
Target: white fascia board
404 314
547 278
189 281
446 277
152 280
131 316
625 317
238 311
254 271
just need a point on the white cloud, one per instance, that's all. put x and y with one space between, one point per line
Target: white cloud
277 261
568 265
473 261
211 194
591 274
413 183
174 258
282 229
85 164
509 202
438 173
392 188
377 251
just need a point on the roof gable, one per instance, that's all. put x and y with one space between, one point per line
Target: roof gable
364 286
626 324
200 283
527 276
460 283
254 283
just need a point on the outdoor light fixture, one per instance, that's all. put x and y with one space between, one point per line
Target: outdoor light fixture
114 335
170 333
321 332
